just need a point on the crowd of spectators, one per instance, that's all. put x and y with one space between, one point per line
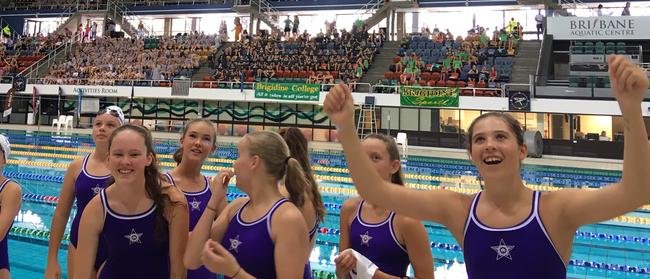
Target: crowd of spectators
436 58
323 59
16 54
104 60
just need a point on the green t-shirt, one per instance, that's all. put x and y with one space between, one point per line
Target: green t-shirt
458 64
447 62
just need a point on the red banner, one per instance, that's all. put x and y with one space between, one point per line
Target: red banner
9 102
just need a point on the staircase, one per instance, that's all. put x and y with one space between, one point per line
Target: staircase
55 57
525 62
381 63
380 10
118 13
71 23
261 9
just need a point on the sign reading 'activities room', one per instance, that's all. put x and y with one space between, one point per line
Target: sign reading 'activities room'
599 28
287 91
428 96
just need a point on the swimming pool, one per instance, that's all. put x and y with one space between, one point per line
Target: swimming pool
619 248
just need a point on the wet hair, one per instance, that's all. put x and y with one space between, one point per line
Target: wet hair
511 122
393 153
298 148
178 155
152 176
274 152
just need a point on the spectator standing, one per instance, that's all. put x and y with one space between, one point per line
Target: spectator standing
626 10
539 18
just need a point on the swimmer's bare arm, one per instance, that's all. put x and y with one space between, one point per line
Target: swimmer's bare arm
177 216
11 200
60 218
579 207
440 206
291 238
92 224
345 262
417 244
204 227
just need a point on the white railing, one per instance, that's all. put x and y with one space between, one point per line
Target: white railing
370 7
48 59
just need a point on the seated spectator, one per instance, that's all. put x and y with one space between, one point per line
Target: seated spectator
472 75
603 136
493 74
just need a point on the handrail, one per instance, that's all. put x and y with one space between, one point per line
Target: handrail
369 7
126 11
115 7
49 56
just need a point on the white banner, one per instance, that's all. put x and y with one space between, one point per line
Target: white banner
599 28
96 90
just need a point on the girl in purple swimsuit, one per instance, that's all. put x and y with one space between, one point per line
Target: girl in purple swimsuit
199 139
251 232
10 201
313 209
83 180
391 241
143 222
508 230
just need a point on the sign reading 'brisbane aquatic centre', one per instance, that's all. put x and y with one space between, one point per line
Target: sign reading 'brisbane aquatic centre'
287 91
599 28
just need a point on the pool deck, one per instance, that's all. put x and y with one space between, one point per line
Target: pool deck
546 160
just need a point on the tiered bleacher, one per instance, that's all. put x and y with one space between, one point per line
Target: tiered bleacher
588 65
324 59
119 61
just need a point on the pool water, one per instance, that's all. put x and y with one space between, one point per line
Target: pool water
619 248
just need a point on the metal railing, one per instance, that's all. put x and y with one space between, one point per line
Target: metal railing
121 14
48 60
357 87
370 7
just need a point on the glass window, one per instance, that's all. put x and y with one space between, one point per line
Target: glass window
466 119
273 111
389 118
256 112
600 125
449 120
408 119
305 114
161 109
226 110
241 112
224 129
425 120
288 111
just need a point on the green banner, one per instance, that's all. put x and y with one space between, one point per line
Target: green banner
287 91
428 96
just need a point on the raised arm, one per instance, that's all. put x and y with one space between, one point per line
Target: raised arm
579 207
60 219
92 223
437 205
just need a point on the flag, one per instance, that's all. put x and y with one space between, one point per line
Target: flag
9 102
34 101
58 102
79 92
6 31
